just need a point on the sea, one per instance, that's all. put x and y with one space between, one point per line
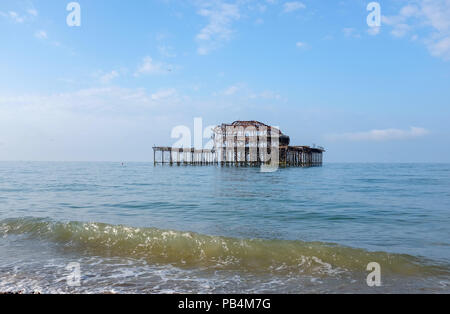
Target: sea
108 227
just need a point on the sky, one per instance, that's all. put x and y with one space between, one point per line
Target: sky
132 71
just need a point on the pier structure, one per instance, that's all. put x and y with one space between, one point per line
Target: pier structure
244 143
184 156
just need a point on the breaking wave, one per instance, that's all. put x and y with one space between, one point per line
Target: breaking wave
193 250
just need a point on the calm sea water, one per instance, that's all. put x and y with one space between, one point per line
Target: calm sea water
143 229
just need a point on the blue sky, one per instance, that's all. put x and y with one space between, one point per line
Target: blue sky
118 84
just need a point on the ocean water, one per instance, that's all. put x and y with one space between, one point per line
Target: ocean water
138 228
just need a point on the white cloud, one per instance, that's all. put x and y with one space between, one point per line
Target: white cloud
350 32
91 100
301 44
16 17
380 135
164 94
32 12
267 95
108 77
19 18
374 31
166 51
440 48
220 17
398 23
409 10
437 13
259 21
41 34
232 90
400 30
293 6
241 90
149 66
430 16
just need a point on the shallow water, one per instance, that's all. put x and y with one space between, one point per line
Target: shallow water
147 229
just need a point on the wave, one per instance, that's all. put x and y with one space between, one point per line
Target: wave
189 250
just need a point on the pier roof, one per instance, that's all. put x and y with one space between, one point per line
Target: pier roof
253 123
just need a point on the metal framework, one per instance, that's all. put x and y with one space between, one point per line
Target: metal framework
244 143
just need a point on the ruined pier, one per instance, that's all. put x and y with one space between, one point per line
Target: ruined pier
243 143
